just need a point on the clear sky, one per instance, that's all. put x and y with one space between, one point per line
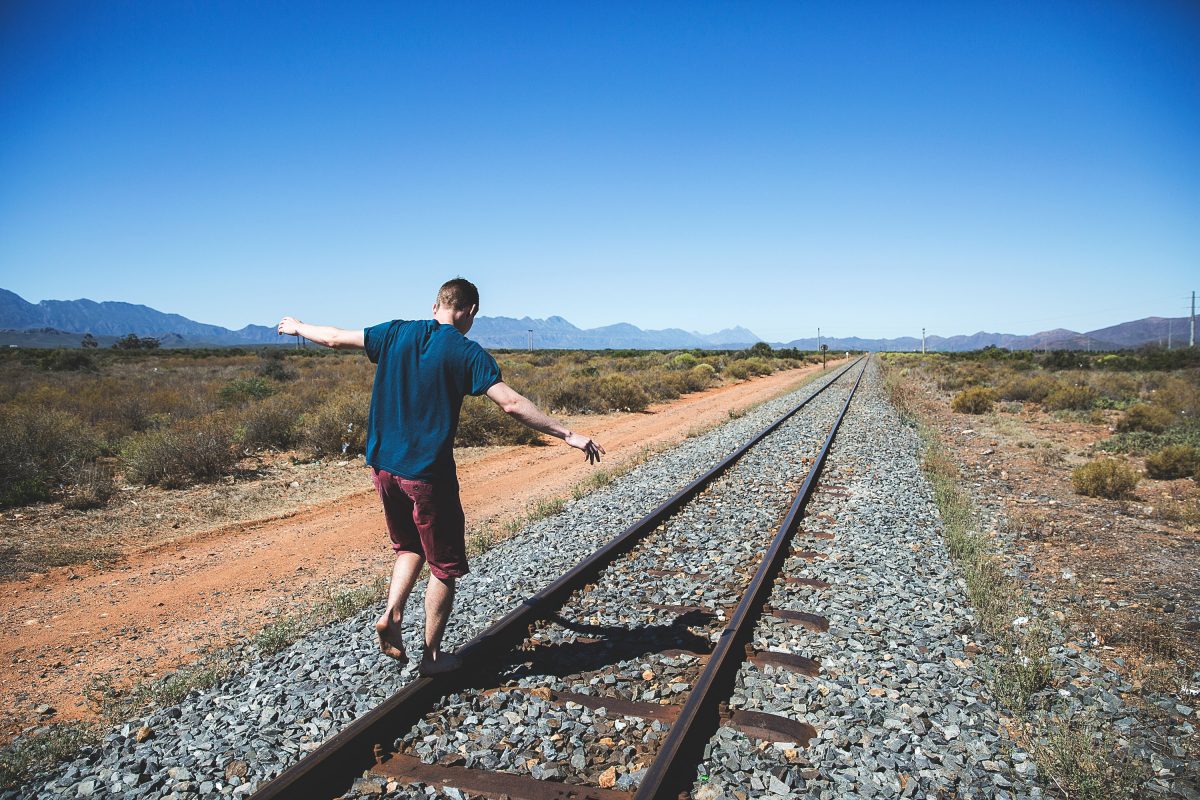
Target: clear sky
866 168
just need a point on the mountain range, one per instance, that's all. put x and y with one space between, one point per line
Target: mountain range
61 323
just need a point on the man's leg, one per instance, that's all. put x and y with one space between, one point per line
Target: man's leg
390 625
439 601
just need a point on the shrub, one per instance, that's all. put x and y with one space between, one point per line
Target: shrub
91 487
181 454
1078 398
622 393
1104 478
1034 388
1173 461
684 361
38 447
1145 417
269 423
481 422
701 377
974 400
69 361
242 390
273 366
738 370
338 426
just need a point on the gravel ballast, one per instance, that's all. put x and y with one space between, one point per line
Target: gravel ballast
227 740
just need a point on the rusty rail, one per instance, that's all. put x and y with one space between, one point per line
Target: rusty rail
330 769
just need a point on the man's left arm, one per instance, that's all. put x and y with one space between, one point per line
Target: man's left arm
524 411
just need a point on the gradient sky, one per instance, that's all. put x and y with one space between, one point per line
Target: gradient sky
867 168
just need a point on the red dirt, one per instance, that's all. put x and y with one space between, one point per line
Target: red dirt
161 604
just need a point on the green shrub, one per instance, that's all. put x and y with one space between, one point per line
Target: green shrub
269 423
739 370
622 393
242 390
1077 398
481 422
338 426
1173 461
1145 417
1104 478
974 400
1033 388
701 377
178 455
684 361
38 448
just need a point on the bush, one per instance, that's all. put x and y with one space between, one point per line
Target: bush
622 393
738 370
701 377
269 423
1174 461
1077 398
1033 388
1145 417
975 400
242 390
178 455
38 448
338 426
684 361
481 422
273 366
1104 478
91 487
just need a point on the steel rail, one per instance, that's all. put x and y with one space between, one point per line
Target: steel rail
673 770
324 772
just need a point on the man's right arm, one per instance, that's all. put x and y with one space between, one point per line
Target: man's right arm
524 411
337 338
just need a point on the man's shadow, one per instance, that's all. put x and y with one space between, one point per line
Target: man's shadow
597 647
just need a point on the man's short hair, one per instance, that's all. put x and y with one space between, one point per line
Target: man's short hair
459 294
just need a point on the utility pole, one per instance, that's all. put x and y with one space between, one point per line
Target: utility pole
531 340
1168 333
1192 336
922 341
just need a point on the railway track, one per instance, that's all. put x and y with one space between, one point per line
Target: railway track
608 683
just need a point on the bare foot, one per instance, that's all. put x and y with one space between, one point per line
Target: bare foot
390 642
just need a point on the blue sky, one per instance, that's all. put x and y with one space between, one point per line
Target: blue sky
866 168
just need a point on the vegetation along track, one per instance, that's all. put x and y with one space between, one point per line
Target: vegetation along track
637 648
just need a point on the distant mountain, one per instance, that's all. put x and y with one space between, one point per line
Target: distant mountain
60 323
118 319
557 333
1152 330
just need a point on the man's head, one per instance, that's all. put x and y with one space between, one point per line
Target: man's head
457 304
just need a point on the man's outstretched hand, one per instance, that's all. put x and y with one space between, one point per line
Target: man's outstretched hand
591 450
287 326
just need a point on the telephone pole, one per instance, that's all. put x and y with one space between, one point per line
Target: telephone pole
922 341
1192 336
531 340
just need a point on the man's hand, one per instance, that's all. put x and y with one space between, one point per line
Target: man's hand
591 450
288 326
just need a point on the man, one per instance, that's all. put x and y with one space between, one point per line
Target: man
423 370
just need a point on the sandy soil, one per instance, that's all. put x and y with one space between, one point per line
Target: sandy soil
166 599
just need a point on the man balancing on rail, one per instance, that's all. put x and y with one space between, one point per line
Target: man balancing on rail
423 370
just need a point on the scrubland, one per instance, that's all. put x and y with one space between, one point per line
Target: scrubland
1068 489
76 425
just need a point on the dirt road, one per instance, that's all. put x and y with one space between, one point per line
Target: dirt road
157 607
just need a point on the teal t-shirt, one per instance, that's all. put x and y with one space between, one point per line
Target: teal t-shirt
423 370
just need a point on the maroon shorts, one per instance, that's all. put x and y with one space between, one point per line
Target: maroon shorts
427 519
